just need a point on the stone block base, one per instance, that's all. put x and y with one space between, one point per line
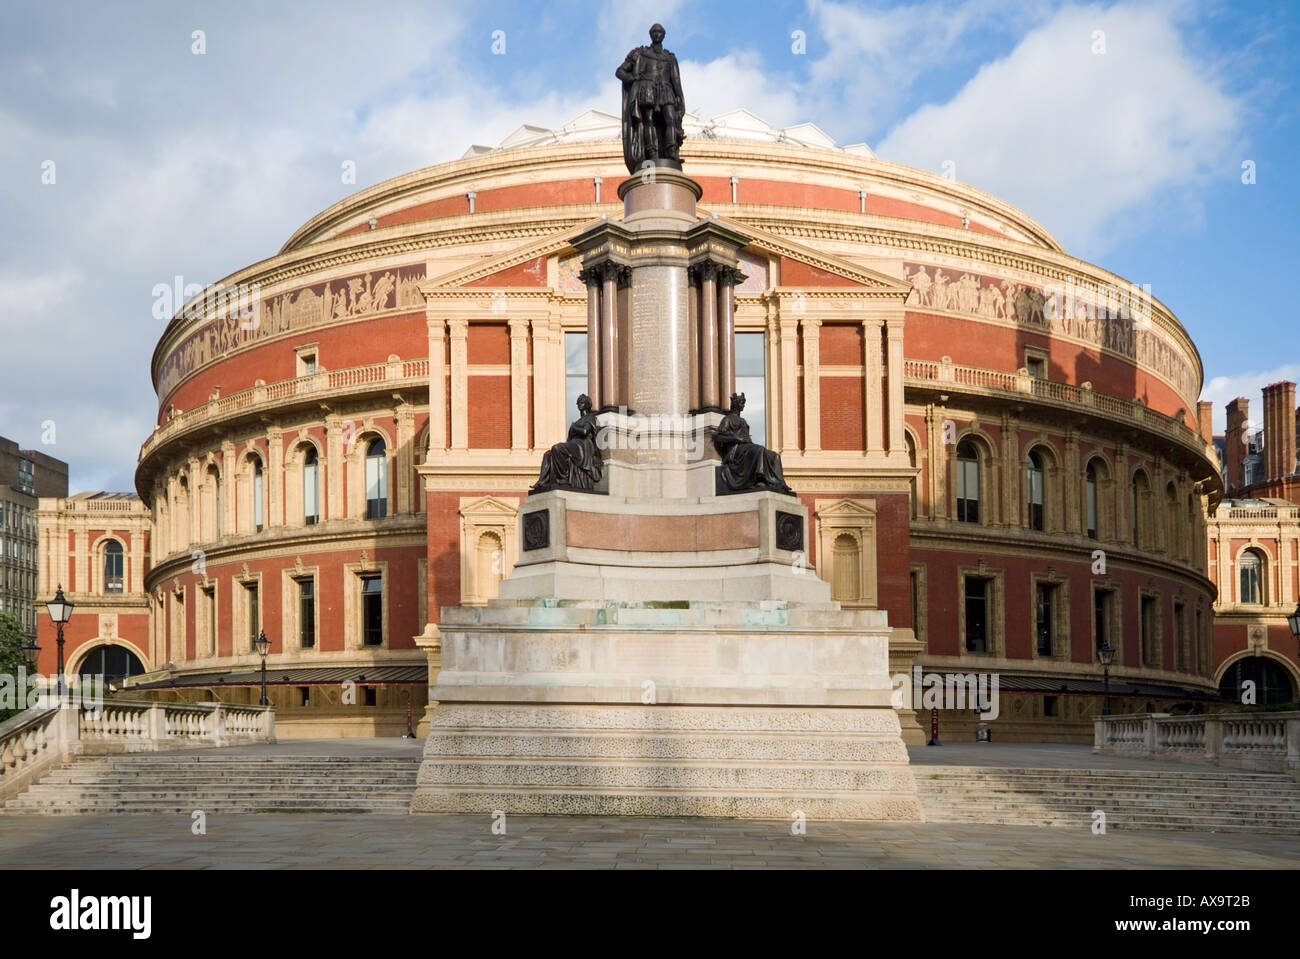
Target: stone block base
829 763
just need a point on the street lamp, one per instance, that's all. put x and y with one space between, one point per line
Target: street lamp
1107 656
60 610
32 653
263 646
1294 622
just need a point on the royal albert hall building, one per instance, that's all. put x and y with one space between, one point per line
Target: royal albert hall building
997 443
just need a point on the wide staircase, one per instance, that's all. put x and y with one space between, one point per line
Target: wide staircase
1208 800
163 783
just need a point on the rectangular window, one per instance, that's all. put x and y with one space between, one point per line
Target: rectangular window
751 379
1147 624
575 374
306 613
371 697
308 364
1050 706
210 605
372 610
977 622
1181 646
254 615
1103 603
1036 367
1045 594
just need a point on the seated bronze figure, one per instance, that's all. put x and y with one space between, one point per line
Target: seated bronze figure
746 465
574 464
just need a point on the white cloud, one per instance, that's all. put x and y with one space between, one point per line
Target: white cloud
1052 123
1222 389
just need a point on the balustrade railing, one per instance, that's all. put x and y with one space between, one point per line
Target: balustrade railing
39 739
928 372
313 384
1268 742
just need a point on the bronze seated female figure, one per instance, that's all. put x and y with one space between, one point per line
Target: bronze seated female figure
574 464
746 465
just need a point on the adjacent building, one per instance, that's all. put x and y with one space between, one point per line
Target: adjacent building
25 476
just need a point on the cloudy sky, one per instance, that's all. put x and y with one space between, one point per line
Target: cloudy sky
1123 128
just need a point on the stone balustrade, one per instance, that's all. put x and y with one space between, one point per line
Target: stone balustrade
1264 742
37 740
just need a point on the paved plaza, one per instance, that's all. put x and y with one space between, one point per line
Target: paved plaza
269 841
279 841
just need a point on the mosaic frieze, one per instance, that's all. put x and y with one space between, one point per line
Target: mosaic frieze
365 295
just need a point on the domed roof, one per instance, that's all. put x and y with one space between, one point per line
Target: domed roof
734 125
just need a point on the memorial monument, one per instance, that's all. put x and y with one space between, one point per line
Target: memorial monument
662 646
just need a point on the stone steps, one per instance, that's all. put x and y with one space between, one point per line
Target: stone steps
695 772
161 785
1212 800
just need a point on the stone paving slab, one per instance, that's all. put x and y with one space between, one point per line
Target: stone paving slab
433 842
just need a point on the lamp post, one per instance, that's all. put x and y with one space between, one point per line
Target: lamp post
32 653
1294 622
263 647
60 610
1107 656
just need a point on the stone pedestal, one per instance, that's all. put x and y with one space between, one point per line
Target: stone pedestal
755 710
660 649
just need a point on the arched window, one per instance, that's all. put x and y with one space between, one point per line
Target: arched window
490 563
1250 574
912 485
1173 532
114 566
376 479
968 483
113 663
1090 502
310 487
1273 685
846 571
1034 490
259 496
1140 507
216 503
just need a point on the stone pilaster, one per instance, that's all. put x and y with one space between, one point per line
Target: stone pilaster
874 384
437 382
274 476
459 332
335 457
404 416
894 380
518 383
810 330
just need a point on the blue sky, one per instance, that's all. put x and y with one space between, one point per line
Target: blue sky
171 163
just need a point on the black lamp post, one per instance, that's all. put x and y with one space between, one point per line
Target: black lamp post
60 610
1107 656
32 653
1294 622
263 646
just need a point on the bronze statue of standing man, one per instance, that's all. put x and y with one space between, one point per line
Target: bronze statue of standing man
652 105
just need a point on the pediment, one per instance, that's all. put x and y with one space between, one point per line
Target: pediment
486 507
820 269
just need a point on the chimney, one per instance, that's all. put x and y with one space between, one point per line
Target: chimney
1205 420
1234 450
1279 430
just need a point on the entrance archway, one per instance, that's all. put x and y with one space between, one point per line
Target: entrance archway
1273 684
114 663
